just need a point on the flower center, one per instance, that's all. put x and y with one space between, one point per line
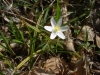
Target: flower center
56 28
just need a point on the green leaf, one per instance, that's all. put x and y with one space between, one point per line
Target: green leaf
16 41
6 41
1 73
58 11
6 60
45 16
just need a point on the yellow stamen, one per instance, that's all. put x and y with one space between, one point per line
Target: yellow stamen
56 28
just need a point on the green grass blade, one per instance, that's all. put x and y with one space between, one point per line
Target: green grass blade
26 59
17 41
45 16
6 41
58 11
7 61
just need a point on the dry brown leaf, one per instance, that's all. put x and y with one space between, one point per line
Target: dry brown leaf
80 67
56 65
98 41
69 43
82 35
64 13
36 71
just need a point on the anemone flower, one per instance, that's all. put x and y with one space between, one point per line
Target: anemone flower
56 29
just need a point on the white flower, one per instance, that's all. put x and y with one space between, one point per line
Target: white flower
56 29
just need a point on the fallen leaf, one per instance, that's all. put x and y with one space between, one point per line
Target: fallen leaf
56 65
69 43
82 35
36 71
98 41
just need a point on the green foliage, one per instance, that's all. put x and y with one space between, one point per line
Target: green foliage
7 61
1 73
58 11
7 43
17 33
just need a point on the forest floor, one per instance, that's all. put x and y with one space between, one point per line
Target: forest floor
28 48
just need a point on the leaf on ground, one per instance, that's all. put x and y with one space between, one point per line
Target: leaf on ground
64 13
98 41
86 29
69 43
56 65
80 67
36 71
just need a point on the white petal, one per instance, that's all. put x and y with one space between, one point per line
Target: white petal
53 23
64 28
59 22
48 28
61 35
53 35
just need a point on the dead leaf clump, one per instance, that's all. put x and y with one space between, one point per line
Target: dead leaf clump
86 30
56 65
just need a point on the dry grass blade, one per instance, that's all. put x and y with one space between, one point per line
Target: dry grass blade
8 7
